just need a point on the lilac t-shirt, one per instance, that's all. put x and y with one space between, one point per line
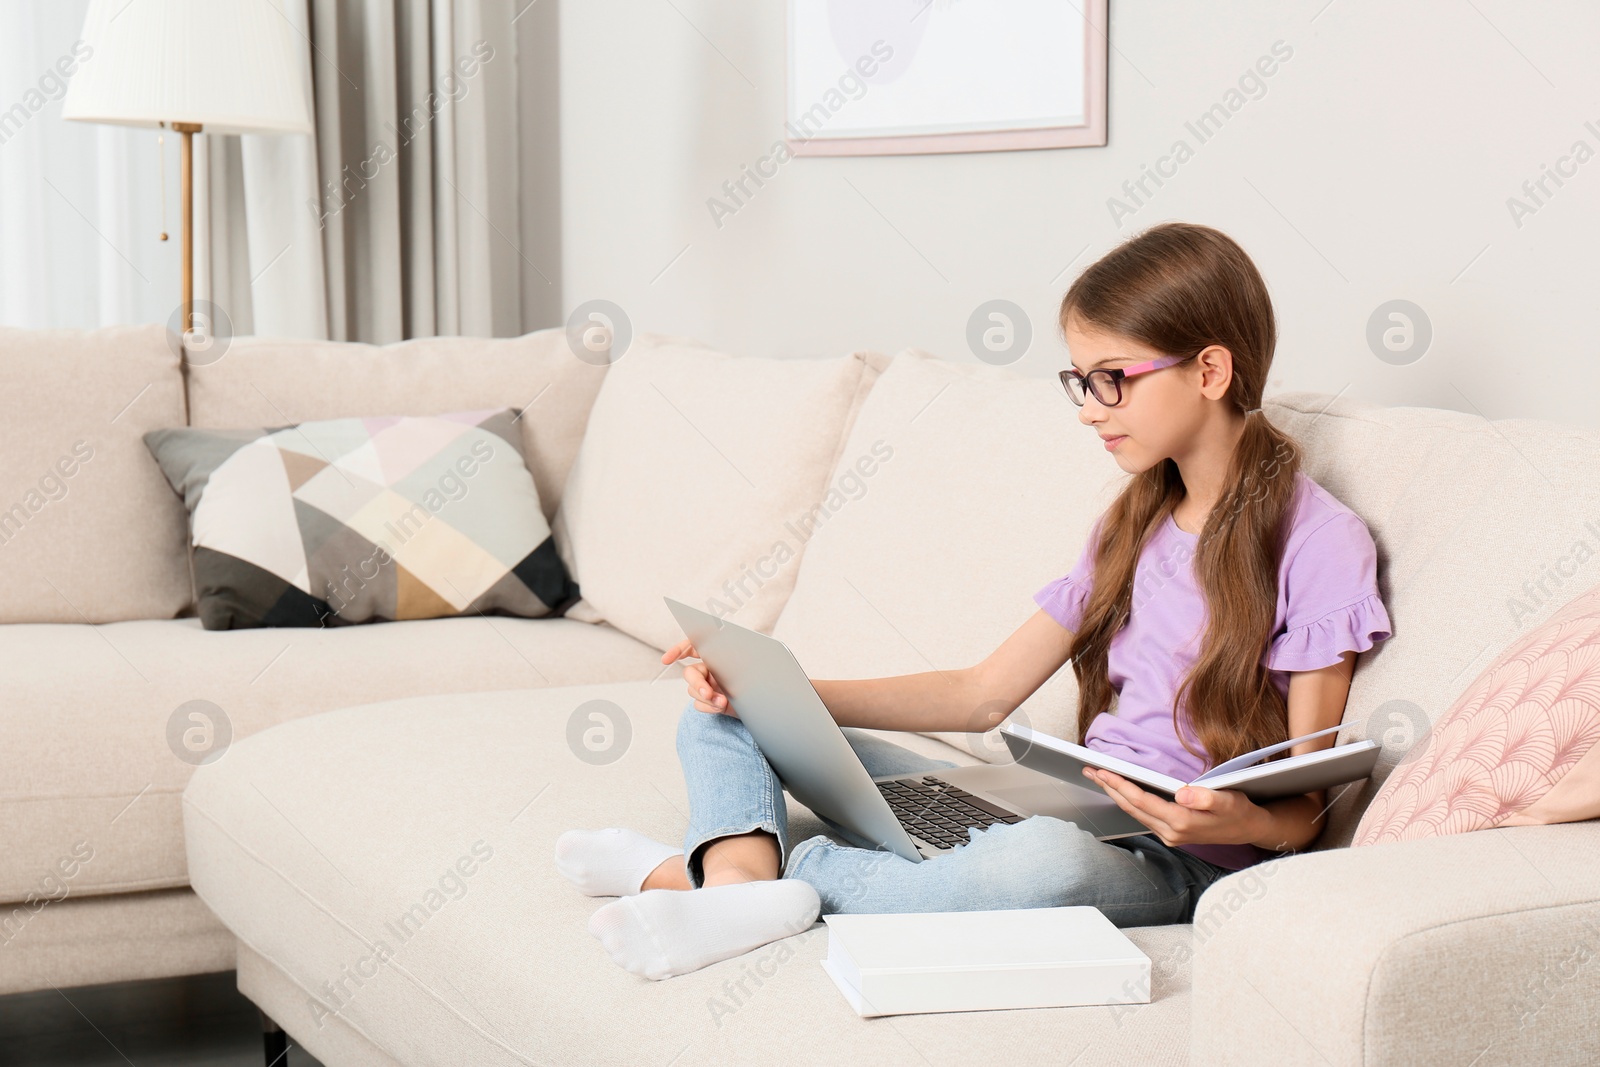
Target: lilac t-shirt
1328 603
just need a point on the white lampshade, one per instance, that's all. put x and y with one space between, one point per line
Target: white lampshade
232 66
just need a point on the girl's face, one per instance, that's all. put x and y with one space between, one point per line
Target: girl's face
1162 411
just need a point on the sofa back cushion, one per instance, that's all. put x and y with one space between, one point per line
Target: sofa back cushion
1483 530
967 487
1517 748
276 381
89 530
699 478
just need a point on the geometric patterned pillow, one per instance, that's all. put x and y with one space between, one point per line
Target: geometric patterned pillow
345 521
1517 749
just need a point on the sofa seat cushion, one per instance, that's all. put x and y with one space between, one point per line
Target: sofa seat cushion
394 862
104 724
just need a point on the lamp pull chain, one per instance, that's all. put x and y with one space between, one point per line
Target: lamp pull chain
161 163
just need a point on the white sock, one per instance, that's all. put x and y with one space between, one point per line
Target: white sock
666 932
613 862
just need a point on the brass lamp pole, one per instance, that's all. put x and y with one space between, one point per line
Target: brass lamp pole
186 210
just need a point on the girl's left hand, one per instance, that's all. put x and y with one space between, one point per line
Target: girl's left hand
1200 816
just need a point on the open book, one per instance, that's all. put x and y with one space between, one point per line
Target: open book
1259 781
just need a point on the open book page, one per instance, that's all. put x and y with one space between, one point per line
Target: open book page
1260 754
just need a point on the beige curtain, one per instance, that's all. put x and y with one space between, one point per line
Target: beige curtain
401 216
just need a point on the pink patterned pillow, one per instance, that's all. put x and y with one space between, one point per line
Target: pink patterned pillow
1517 749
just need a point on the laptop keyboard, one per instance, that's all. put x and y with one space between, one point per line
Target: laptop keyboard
939 813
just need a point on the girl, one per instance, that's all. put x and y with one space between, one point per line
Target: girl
1219 604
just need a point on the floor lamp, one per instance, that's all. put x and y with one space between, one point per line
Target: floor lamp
222 66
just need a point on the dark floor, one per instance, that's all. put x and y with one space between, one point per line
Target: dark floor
196 1021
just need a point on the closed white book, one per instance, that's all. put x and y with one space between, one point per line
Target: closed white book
907 963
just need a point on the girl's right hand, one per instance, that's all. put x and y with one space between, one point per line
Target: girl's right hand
703 688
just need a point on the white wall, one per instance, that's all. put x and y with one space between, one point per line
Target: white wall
1376 165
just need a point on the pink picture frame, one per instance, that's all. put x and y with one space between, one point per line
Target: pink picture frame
1089 131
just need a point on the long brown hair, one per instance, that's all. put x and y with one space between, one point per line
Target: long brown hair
1178 288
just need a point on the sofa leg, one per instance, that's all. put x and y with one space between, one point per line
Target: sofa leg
274 1042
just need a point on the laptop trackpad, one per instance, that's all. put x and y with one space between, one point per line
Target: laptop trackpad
1043 798
1094 811
1030 792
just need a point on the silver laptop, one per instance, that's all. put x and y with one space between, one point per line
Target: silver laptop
916 816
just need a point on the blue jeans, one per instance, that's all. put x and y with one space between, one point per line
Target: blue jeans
1039 862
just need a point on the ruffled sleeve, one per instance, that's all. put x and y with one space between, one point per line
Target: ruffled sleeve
1063 598
1333 601
1355 627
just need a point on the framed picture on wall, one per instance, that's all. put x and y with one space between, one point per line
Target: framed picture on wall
889 77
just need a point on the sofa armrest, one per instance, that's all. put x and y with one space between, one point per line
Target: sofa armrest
1474 948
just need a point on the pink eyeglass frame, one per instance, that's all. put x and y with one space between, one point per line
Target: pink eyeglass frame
1117 374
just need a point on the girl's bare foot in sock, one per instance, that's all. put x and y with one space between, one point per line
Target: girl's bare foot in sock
670 875
658 934
668 928
747 857
614 862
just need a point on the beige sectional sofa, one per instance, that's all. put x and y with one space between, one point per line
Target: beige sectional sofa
879 515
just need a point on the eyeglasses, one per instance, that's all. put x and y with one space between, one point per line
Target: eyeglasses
1106 383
